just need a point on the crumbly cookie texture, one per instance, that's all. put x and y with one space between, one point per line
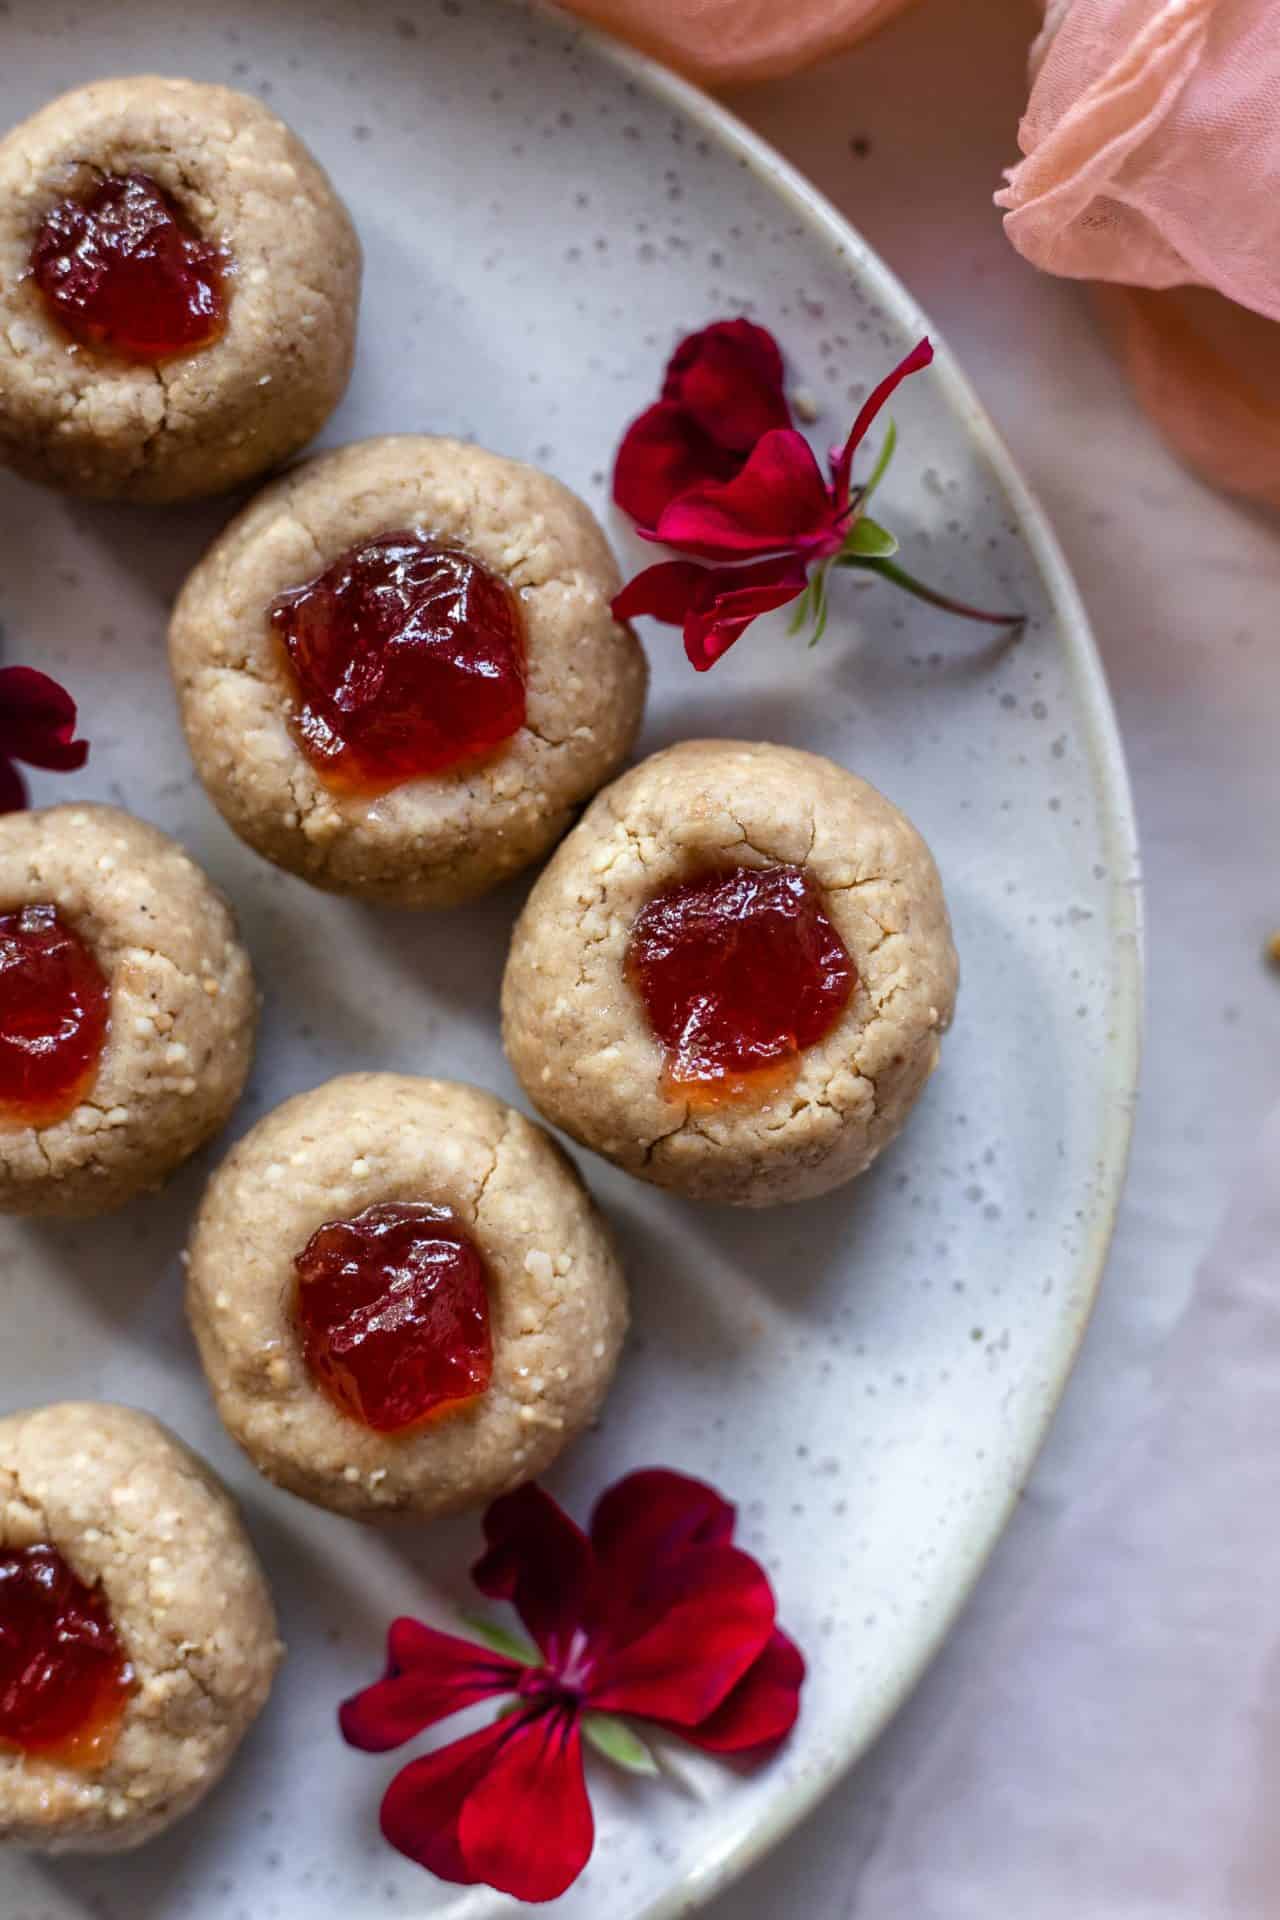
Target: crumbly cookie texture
557 1306
129 1506
205 421
183 1007
444 838
576 1032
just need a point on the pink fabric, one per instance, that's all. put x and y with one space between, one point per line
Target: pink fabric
1152 159
1152 143
725 42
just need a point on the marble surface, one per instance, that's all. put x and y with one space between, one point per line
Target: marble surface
1100 1739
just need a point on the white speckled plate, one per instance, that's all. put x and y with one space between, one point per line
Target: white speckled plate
869 1376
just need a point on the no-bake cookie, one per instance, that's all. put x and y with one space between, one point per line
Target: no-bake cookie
137 1637
127 1009
404 1298
398 672
732 977
178 291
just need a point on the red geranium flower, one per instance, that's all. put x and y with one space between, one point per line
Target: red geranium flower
654 1613
766 513
37 725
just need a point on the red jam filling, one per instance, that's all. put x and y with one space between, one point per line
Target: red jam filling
393 1309
122 269
407 658
54 1008
64 1678
739 971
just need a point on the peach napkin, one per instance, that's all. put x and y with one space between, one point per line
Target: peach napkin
1152 160
723 42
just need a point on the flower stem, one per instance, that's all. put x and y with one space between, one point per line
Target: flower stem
889 570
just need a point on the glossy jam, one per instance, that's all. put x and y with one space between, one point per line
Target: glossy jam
739 971
121 270
54 1008
64 1677
407 658
393 1309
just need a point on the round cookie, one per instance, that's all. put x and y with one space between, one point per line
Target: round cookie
92 422
556 1296
576 1031
140 1519
438 838
182 1007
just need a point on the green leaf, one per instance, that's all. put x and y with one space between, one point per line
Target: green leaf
500 1640
888 444
618 1742
506 1710
799 619
819 588
868 540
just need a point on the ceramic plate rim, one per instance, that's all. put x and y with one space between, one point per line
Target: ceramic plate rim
1110 777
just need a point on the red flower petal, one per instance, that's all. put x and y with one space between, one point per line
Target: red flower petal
664 453
920 356
729 378
723 390
38 721
779 502
653 1515
507 1806
714 605
539 1561
422 1806
700 1621
640 1524
429 1676
13 788
731 598
667 591
761 1709
539 1771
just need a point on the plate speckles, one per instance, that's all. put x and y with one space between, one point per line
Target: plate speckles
912 1342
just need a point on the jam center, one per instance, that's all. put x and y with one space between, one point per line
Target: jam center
393 1309
738 972
54 1007
407 658
122 269
64 1677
